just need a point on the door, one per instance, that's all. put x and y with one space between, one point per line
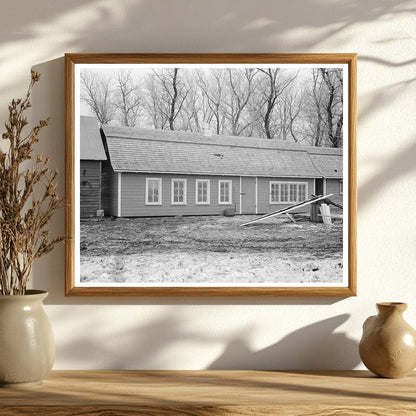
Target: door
319 186
248 195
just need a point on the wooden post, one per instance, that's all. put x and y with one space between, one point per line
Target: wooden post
315 217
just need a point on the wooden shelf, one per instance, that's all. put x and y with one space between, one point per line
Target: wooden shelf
202 393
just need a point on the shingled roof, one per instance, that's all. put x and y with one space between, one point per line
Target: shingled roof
164 151
91 145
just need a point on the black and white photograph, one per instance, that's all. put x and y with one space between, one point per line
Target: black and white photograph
211 175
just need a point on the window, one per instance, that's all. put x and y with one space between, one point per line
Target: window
341 187
178 191
224 192
288 192
153 191
302 192
293 196
274 192
284 192
202 192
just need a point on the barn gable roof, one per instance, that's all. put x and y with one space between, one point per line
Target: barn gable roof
91 145
330 166
164 151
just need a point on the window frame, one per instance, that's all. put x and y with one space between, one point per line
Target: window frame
197 181
279 193
159 180
230 191
271 184
184 181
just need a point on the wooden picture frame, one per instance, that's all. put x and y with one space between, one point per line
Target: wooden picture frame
223 190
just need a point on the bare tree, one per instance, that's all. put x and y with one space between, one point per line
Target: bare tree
289 109
153 104
189 117
128 98
97 93
195 112
241 84
263 102
213 90
317 99
323 106
172 93
334 105
274 82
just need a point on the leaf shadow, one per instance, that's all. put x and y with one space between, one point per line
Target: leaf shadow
313 347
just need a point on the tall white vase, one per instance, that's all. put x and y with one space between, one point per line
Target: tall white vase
27 347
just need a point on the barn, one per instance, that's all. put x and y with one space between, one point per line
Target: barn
91 157
163 173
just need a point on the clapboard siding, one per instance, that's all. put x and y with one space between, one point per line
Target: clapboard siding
264 205
109 190
133 186
133 195
333 186
90 187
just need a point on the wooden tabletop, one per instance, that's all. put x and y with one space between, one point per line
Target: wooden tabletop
201 393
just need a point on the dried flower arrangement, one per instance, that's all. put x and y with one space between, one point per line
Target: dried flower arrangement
28 199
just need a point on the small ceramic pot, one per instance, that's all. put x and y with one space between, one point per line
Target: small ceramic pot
27 347
388 345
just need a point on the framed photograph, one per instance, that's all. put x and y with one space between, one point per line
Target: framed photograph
211 174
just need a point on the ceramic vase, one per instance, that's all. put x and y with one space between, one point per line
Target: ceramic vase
388 345
27 347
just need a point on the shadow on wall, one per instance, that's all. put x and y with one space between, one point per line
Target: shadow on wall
48 101
133 26
314 347
155 23
141 347
393 169
382 97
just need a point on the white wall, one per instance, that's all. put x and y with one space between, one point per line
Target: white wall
197 333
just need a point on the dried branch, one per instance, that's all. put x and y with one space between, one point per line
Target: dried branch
23 218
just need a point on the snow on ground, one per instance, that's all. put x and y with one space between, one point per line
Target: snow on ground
212 250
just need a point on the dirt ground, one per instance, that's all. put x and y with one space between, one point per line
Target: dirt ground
211 250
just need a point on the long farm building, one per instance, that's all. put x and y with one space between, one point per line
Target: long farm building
167 173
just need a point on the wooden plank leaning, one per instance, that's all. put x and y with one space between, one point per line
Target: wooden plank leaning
326 214
288 209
